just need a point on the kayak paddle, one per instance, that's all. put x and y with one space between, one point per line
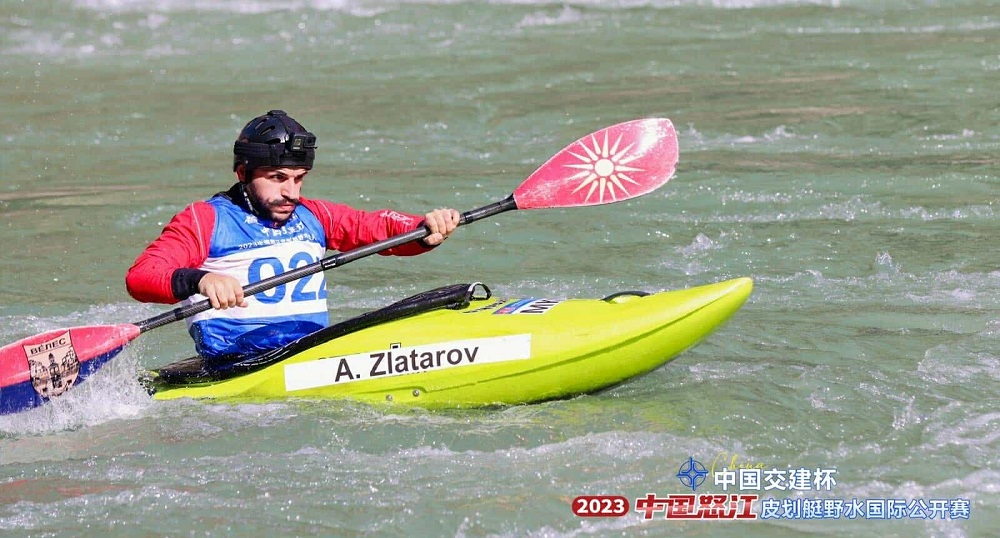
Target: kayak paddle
610 165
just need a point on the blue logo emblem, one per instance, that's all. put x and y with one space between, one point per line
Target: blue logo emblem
692 473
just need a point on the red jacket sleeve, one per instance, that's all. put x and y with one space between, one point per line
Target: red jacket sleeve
348 228
183 243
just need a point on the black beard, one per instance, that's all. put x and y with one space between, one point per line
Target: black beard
261 208
240 195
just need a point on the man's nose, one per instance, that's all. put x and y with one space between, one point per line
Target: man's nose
290 190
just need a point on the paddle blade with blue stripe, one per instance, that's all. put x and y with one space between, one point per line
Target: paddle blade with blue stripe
35 369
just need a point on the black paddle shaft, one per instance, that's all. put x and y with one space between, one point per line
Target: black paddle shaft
335 260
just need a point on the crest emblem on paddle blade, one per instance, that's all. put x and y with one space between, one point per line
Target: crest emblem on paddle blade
53 365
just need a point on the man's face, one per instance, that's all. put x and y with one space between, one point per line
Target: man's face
276 190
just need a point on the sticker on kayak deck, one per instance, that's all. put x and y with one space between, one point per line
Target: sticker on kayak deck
528 306
53 365
406 360
491 306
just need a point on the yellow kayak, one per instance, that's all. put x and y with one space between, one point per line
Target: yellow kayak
479 351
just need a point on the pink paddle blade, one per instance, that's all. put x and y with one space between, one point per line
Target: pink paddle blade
614 164
38 368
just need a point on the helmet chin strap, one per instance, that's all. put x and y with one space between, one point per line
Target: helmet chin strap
250 205
246 198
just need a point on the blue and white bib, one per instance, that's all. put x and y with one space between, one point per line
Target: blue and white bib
250 250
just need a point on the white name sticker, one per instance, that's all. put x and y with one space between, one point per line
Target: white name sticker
406 360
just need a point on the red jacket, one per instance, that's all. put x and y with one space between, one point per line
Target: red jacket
184 242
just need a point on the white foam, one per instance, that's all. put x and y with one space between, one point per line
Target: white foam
854 208
568 15
111 393
701 243
250 7
964 27
370 7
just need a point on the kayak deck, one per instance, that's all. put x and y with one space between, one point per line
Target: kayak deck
198 370
481 351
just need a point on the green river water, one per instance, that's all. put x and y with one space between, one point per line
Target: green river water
843 154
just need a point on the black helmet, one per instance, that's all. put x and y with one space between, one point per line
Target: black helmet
274 139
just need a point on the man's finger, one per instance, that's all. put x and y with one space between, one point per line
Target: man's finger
434 239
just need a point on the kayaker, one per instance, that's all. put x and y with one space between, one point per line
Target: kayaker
260 227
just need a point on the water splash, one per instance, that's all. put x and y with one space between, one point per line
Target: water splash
112 393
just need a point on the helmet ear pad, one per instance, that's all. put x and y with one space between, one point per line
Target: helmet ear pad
241 173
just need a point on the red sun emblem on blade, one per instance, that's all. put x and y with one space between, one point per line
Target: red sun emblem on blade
614 164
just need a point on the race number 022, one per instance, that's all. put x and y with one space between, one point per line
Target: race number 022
600 506
299 293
